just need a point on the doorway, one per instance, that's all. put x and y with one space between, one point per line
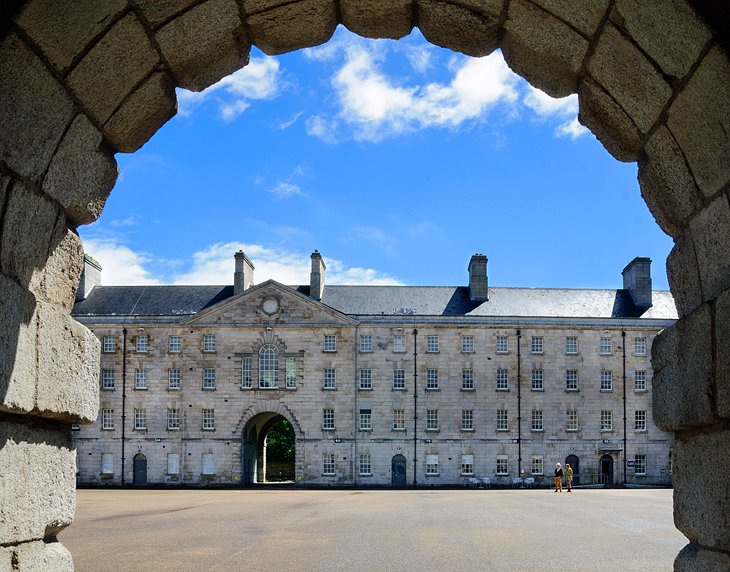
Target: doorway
139 474
268 451
398 471
606 470
574 463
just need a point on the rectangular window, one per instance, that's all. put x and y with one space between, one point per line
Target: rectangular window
606 380
140 379
328 464
606 347
174 344
107 419
366 420
246 373
432 379
640 346
467 344
467 420
502 465
173 379
366 379
502 346
572 420
140 344
432 344
432 464
467 379
399 419
571 380
328 419
209 343
291 373
365 463
173 419
107 379
173 464
467 464
108 345
399 379
640 380
537 420
329 378
208 378
639 420
208 465
536 345
606 420
399 344
366 344
537 465
639 464
502 380
502 420
140 419
571 345
537 384
432 419
208 419
330 344
107 464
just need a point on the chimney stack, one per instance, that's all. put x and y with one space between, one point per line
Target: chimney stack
637 280
243 276
90 277
316 278
478 284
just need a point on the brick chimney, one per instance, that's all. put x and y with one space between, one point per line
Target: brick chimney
637 280
478 284
316 278
90 277
243 276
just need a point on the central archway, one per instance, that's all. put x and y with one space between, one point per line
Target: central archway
263 461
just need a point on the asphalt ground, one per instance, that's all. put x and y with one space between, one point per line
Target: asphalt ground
385 530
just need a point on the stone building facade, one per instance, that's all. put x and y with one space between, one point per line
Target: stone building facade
383 385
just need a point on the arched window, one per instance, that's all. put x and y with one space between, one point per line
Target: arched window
268 367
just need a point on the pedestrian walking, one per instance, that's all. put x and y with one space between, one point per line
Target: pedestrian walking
558 477
568 476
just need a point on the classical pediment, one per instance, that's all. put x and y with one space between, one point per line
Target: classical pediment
270 303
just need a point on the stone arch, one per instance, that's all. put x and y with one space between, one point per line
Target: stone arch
78 84
273 407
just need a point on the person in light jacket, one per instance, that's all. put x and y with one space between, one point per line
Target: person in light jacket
568 476
558 477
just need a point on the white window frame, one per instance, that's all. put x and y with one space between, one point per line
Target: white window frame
328 465
432 465
399 419
174 379
432 419
571 380
432 344
328 419
173 463
537 345
268 367
246 372
174 344
366 420
141 344
502 345
209 343
107 419
330 343
537 421
502 468
365 464
606 420
290 373
140 379
605 347
366 344
209 379
432 380
502 420
538 380
606 380
640 346
399 379
467 344
467 420
640 464
640 420
502 379
365 380
640 380
107 464
109 344
467 379
537 466
208 422
329 378
173 419
107 379
571 420
467 464
399 344
571 345
140 419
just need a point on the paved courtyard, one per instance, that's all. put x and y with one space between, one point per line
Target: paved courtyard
419 530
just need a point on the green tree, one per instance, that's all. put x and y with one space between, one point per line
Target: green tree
280 442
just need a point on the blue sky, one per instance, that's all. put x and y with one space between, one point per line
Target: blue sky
396 160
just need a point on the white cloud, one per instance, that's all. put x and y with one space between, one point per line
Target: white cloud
121 265
285 190
214 265
419 57
321 128
289 122
549 107
572 129
259 80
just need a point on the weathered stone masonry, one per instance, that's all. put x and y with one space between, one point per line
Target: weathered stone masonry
80 81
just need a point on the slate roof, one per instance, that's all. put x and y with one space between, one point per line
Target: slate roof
389 300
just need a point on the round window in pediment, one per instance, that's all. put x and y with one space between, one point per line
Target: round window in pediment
270 306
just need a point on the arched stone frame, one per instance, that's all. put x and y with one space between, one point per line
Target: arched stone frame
80 83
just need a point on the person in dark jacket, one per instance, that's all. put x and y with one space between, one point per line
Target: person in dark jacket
558 477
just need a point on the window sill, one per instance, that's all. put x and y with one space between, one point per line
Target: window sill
572 354
398 430
174 352
571 430
208 430
433 389
540 390
403 389
467 474
107 429
606 390
502 353
640 390
365 351
502 430
576 390
366 474
433 475
107 389
467 430
606 430
537 430
173 428
140 429
502 390
329 475
207 389
365 430
328 429
173 389
329 389
210 351
268 388
140 389
329 351
640 431
432 430
364 388
468 389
